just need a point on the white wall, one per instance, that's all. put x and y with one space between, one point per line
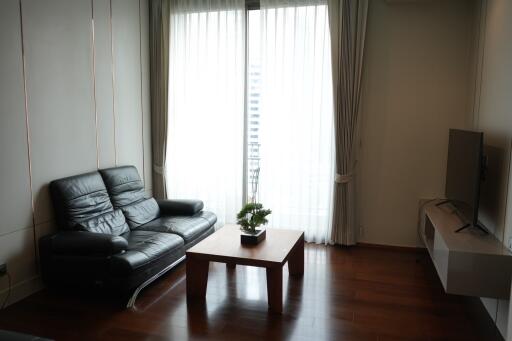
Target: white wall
493 116
74 97
416 86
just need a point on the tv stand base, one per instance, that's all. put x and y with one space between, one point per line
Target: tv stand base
462 259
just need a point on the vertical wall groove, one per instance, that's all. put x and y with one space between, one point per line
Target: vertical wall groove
93 49
113 83
141 99
27 130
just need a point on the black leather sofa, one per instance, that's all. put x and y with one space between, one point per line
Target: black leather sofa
112 236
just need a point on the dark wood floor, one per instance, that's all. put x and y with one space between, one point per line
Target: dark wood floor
356 293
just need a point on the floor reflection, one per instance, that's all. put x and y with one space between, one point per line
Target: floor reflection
238 296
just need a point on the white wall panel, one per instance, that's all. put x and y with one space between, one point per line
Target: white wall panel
60 96
15 199
146 105
415 87
19 253
104 83
127 88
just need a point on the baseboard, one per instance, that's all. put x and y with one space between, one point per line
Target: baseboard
22 290
393 247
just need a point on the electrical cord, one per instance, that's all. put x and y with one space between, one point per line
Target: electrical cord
8 292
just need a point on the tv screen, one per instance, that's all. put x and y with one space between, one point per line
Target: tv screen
463 172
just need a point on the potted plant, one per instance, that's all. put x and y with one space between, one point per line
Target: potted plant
251 216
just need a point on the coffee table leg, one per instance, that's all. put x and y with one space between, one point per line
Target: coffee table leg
231 266
296 259
275 289
197 278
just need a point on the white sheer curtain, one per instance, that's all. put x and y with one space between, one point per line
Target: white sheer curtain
297 134
206 104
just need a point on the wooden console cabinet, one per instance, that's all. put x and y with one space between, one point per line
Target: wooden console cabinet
469 262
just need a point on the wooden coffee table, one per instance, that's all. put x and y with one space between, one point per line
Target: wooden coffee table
224 246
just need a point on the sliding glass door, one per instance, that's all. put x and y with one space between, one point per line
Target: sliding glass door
251 114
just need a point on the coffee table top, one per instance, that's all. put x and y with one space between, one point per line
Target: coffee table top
224 246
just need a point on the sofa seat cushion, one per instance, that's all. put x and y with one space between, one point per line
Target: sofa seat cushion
187 227
143 248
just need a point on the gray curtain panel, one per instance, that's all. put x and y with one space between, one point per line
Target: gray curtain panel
347 23
159 82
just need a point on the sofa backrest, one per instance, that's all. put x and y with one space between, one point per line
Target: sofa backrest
126 191
81 202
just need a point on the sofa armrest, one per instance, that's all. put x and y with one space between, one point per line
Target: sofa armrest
180 207
82 243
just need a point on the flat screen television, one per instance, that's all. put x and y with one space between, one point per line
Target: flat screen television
464 172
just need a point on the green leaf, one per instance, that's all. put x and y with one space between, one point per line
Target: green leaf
251 216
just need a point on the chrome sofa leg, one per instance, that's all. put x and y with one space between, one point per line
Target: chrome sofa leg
133 297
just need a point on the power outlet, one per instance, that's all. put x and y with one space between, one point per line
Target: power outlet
3 269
